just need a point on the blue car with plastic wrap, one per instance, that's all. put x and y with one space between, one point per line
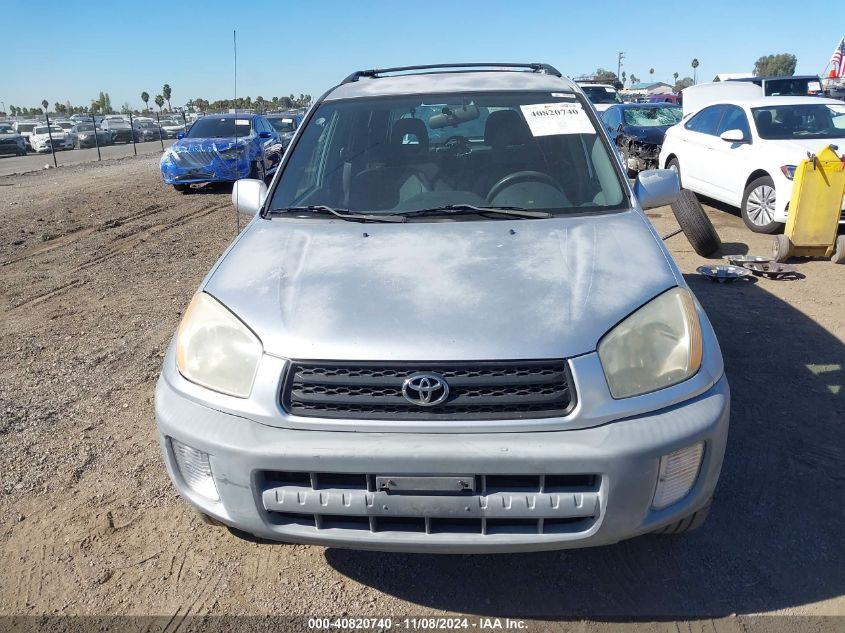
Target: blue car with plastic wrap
222 148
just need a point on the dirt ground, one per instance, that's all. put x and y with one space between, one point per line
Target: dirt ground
96 264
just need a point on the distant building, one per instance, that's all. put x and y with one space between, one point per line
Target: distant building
729 76
650 88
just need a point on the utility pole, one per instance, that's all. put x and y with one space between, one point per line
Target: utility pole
620 57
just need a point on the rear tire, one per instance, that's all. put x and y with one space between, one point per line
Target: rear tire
781 248
758 206
182 188
695 224
688 523
838 256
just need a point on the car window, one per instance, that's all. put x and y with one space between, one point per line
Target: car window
611 118
706 121
657 115
799 121
218 127
735 119
403 154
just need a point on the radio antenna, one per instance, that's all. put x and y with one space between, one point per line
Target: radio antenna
235 121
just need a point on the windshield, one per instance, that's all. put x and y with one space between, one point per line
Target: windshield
652 117
404 154
800 121
6 129
87 127
283 124
65 125
42 129
26 127
601 94
218 127
792 87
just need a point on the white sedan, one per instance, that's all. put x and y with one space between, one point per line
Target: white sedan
40 138
744 152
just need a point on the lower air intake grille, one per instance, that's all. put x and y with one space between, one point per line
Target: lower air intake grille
492 390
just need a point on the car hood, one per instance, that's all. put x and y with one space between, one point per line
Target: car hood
501 289
652 134
56 136
205 144
791 152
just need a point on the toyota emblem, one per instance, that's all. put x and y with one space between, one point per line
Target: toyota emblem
425 390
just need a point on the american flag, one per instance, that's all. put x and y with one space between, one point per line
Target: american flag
836 60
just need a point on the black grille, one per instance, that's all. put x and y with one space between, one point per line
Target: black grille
490 390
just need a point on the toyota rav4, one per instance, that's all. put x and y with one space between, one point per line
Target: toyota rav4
449 327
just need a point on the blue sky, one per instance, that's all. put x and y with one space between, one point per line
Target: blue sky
306 47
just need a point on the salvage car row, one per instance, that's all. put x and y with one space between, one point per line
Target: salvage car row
732 141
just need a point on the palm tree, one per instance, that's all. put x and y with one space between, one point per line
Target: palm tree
675 75
45 103
165 90
651 73
159 101
694 65
145 97
623 77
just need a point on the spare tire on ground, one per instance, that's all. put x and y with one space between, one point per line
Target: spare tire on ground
695 224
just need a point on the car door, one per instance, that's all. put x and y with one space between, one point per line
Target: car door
733 161
266 144
612 118
696 151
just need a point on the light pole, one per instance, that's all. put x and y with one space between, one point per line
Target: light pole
619 58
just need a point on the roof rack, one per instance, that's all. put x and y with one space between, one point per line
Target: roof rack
378 72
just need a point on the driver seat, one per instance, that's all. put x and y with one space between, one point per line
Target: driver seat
512 149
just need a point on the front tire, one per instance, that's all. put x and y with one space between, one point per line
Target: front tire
758 206
623 154
182 188
675 166
688 523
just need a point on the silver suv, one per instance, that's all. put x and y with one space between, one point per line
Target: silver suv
449 327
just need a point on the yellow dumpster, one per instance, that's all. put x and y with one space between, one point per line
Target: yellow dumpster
814 208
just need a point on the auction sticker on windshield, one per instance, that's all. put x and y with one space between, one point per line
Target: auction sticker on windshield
547 119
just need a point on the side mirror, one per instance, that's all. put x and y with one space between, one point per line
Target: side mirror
733 136
265 135
656 187
180 135
248 195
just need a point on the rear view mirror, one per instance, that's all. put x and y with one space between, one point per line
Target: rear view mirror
264 135
248 195
180 135
454 116
733 136
656 187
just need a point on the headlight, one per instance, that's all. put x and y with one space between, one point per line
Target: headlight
657 346
215 350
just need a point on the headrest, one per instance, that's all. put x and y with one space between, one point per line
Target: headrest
506 127
409 127
764 119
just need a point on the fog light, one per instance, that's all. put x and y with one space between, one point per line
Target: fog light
677 474
195 470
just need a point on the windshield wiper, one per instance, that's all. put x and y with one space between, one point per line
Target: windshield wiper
460 209
343 214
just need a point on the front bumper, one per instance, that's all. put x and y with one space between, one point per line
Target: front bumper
623 457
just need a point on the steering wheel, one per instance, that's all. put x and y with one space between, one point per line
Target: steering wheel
457 144
517 177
